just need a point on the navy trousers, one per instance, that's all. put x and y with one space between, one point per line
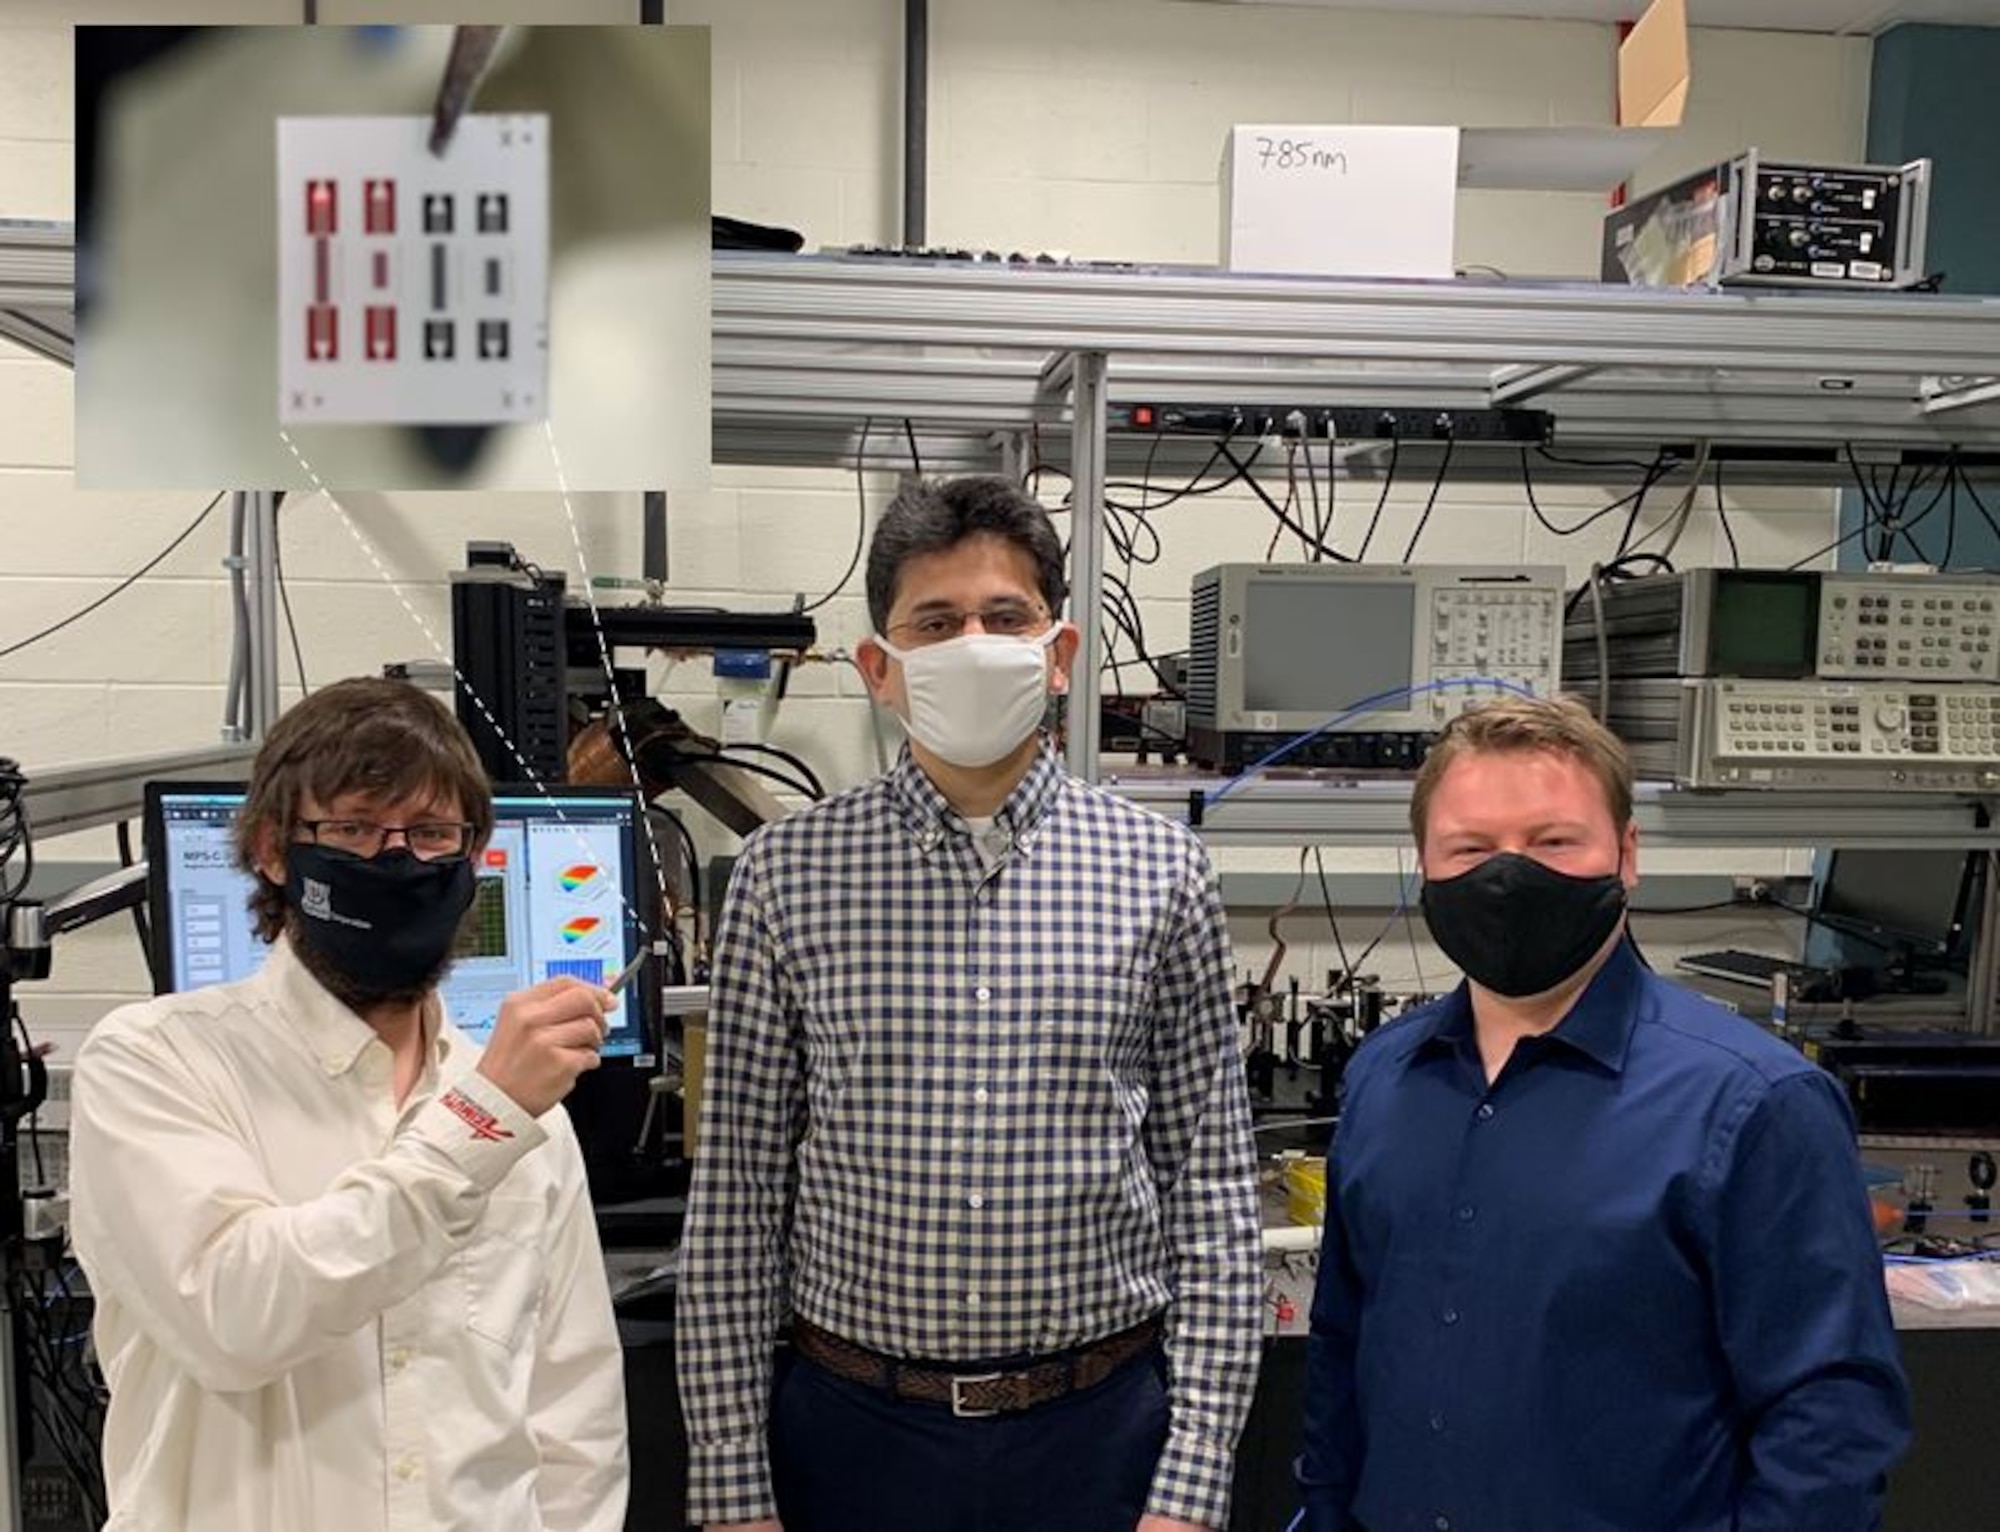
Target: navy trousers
849 1458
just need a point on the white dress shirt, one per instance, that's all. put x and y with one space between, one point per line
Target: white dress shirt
317 1310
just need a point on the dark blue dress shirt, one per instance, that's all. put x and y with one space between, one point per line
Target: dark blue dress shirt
1630 1286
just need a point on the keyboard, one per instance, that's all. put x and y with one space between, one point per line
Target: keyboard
1738 967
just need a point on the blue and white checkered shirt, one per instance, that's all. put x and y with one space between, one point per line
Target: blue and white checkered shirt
956 1114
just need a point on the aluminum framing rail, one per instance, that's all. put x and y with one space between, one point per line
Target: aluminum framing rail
68 798
1292 813
808 346
38 287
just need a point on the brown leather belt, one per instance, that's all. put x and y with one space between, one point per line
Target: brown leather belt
975 1395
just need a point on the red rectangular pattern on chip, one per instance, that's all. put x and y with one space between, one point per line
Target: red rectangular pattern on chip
322 207
381 268
322 333
322 273
381 334
379 206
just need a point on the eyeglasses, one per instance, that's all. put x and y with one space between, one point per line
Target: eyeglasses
1010 619
433 841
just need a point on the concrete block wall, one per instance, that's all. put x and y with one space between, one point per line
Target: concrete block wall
1092 129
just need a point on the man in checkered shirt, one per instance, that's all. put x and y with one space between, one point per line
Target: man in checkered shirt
974 1114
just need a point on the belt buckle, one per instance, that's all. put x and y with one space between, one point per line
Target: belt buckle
959 1407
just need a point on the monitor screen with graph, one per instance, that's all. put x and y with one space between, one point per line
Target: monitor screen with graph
563 887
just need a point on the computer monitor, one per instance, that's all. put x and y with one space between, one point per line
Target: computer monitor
1910 902
563 887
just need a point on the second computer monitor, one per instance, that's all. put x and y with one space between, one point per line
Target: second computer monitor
1899 900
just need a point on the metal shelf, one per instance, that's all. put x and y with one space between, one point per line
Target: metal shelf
66 799
1287 813
38 287
806 347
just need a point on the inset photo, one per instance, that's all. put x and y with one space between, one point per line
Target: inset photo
393 257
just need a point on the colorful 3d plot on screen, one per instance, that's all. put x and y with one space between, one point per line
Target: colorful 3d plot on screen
580 929
580 878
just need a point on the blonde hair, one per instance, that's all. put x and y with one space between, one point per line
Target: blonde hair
1558 725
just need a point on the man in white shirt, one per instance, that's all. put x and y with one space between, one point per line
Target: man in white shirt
344 1261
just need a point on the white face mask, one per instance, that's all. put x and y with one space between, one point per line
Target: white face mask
974 698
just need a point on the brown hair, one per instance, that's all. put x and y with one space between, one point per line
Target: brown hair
383 738
1559 725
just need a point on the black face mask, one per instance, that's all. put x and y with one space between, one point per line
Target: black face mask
375 928
1520 928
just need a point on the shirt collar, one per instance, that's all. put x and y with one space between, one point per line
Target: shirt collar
1598 1026
336 1036
930 818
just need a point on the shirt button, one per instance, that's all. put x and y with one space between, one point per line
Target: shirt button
1466 1213
982 994
1437 1421
975 1202
398 1359
972 1300
980 1095
1443 1524
407 1469
1450 1316
1485 1111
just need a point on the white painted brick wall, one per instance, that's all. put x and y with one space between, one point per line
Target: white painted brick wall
1092 128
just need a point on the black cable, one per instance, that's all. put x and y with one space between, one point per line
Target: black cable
1937 498
1979 505
18 1024
916 458
1437 484
139 921
788 758
1629 463
1722 515
1888 509
68 1426
1720 904
285 595
693 859
1388 483
1194 488
1646 487
1874 505
860 525
1617 569
1271 505
1654 471
1312 486
121 587
1122 607
1866 513
719 759
1133 621
1326 896
1839 542
1951 476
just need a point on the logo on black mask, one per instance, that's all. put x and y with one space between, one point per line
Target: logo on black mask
375 929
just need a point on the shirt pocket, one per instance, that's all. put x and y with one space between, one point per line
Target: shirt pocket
502 1268
1094 1025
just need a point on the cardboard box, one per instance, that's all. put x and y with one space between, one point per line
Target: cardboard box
1365 200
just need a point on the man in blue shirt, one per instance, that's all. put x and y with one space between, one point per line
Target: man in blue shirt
1597 1255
